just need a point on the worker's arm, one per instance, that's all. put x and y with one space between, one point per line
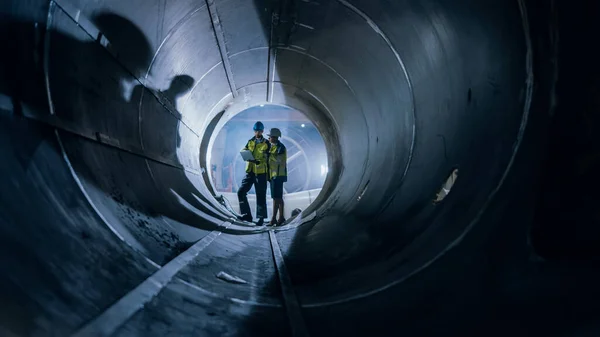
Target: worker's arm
280 154
267 154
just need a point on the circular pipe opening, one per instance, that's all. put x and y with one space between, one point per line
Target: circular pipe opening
318 116
307 165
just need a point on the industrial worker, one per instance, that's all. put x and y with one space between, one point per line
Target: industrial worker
256 174
277 175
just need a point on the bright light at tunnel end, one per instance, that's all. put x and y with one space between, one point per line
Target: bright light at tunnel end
304 143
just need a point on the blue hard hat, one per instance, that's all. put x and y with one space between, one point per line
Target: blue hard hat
258 126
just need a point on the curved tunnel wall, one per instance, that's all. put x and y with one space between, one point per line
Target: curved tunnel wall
403 92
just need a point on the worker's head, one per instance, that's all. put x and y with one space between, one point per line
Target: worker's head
274 135
180 85
125 39
258 129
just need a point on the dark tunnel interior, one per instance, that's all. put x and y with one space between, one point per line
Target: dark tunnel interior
109 225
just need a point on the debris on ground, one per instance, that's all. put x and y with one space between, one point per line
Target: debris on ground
230 278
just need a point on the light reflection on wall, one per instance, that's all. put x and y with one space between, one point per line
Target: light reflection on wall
307 157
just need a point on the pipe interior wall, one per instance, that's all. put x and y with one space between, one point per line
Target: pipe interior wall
403 93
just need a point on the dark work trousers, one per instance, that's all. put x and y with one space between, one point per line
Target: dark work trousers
260 186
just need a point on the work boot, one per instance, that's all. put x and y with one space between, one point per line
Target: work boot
281 221
273 222
245 217
260 221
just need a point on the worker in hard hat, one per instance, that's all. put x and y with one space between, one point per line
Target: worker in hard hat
256 174
277 175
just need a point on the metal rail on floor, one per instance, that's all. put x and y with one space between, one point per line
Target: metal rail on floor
292 306
108 322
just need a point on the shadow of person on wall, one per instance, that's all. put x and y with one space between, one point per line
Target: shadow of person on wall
88 89
152 201
83 81
48 237
180 85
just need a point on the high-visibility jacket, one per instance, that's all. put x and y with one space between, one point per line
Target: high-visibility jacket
260 149
278 161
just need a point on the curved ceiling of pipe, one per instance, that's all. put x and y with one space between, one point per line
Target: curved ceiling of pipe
121 103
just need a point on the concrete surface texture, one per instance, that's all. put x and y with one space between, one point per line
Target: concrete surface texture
109 228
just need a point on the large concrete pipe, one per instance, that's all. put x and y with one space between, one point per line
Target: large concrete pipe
109 228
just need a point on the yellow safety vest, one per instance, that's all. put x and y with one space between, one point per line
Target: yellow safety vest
259 150
278 161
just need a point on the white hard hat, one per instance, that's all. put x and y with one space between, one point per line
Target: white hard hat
275 132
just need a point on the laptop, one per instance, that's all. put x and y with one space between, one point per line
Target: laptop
247 155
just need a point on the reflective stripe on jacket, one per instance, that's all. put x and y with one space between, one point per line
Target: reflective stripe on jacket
260 149
278 161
